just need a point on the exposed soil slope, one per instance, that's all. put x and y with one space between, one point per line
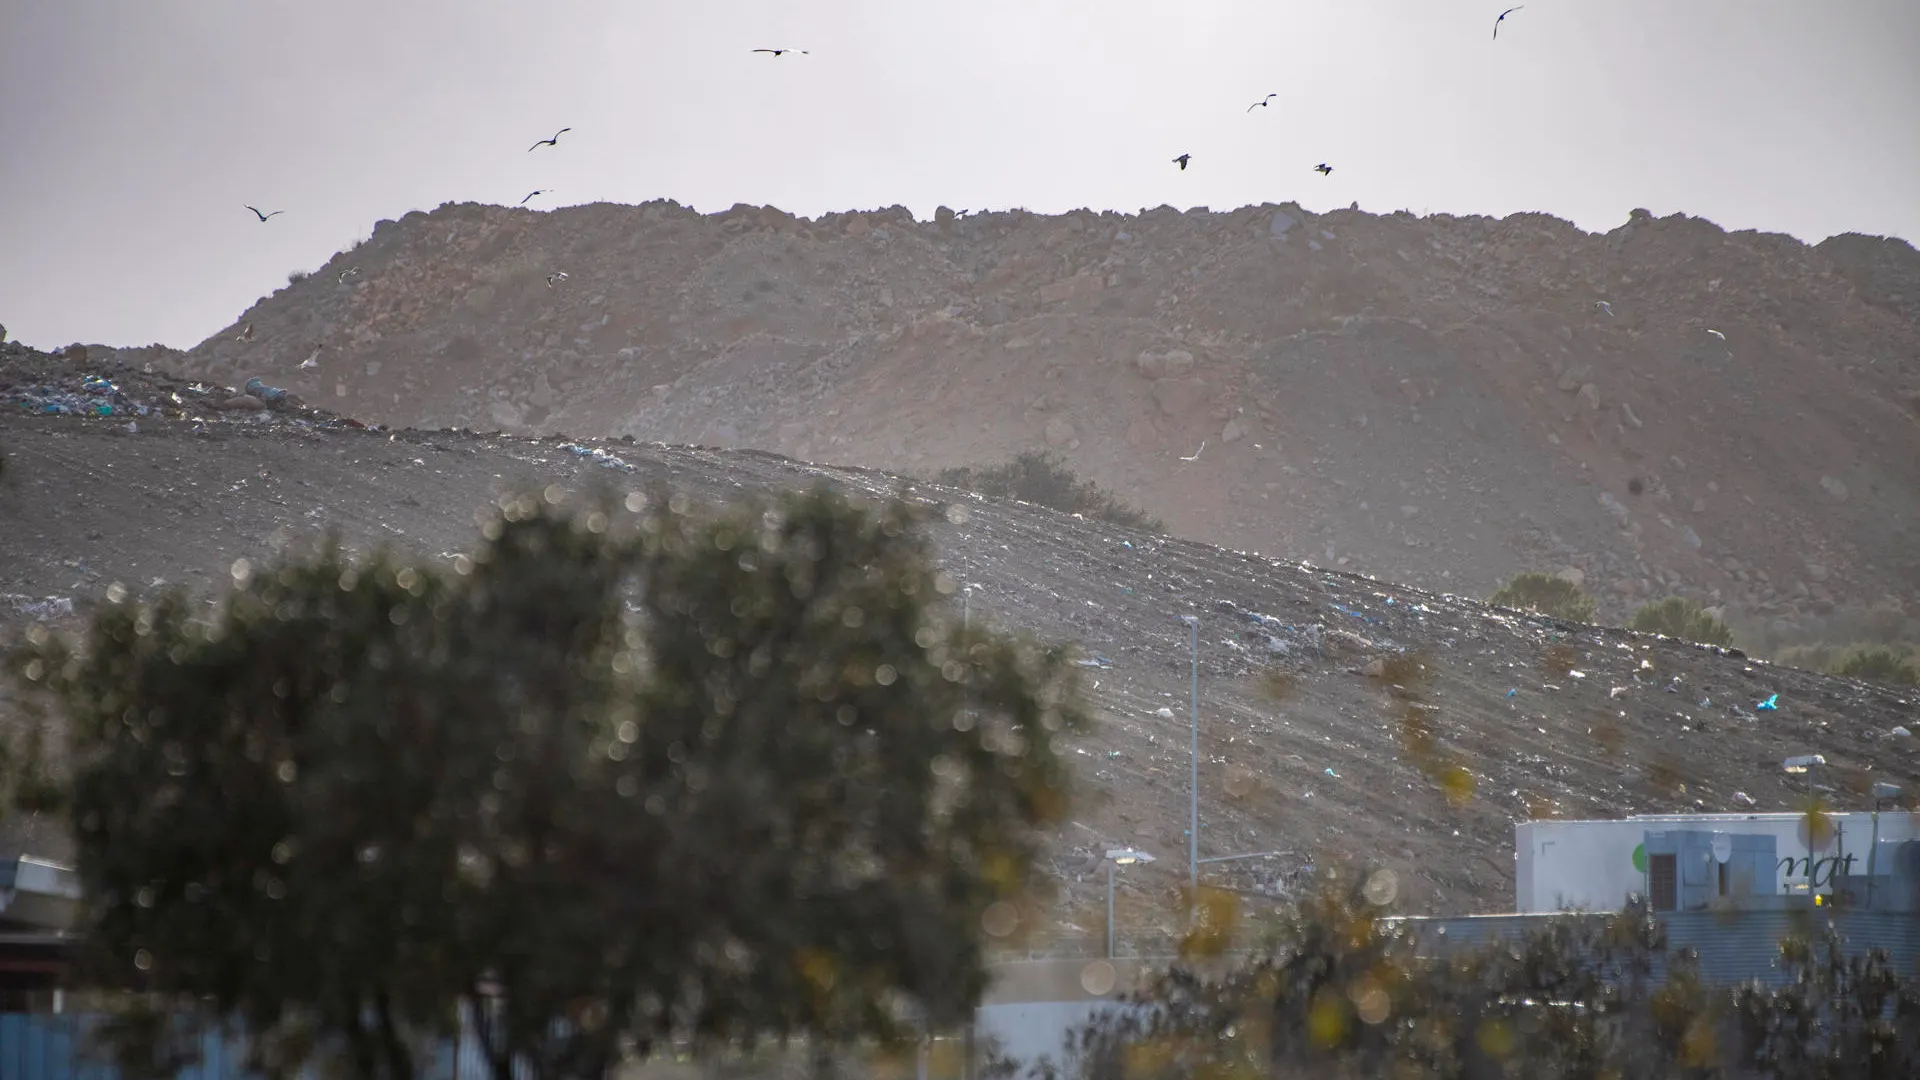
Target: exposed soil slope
1303 734
1436 400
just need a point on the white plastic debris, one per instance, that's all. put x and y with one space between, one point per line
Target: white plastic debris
38 607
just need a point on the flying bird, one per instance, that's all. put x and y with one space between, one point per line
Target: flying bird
555 141
1503 18
1604 306
781 52
261 216
1717 334
1268 100
351 271
557 275
1323 169
1197 453
535 191
1182 161
246 334
312 361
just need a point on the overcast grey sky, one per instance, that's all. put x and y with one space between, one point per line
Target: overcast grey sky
133 131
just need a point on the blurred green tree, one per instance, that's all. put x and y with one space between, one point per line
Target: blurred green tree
1338 990
623 775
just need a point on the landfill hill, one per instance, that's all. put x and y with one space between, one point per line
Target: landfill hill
1337 712
1437 400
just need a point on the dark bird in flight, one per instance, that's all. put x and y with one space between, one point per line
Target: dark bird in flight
555 141
1323 169
1182 161
247 334
1503 18
557 275
782 52
261 216
1268 100
531 194
351 271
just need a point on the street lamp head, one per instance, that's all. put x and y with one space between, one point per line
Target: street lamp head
1802 762
1191 620
1127 856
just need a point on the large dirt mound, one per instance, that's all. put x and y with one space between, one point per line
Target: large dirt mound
1437 400
1315 685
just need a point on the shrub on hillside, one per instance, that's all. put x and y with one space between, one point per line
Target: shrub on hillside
1679 617
1877 663
297 276
1885 623
1553 596
1817 656
1042 478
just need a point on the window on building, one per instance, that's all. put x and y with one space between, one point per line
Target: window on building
1662 882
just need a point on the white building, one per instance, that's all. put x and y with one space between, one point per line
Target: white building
1597 865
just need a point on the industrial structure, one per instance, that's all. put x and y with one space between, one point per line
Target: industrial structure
1596 865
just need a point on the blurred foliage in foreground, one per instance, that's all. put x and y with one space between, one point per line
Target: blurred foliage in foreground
624 775
1338 992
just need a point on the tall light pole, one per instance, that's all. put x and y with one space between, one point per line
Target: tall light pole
1119 857
1193 789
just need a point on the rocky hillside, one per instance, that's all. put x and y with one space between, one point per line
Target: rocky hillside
1666 407
1338 715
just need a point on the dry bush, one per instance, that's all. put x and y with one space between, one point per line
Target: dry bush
1548 595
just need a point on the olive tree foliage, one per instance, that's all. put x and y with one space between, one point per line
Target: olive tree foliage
1339 990
623 775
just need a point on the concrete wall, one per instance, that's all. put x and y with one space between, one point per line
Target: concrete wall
1589 865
